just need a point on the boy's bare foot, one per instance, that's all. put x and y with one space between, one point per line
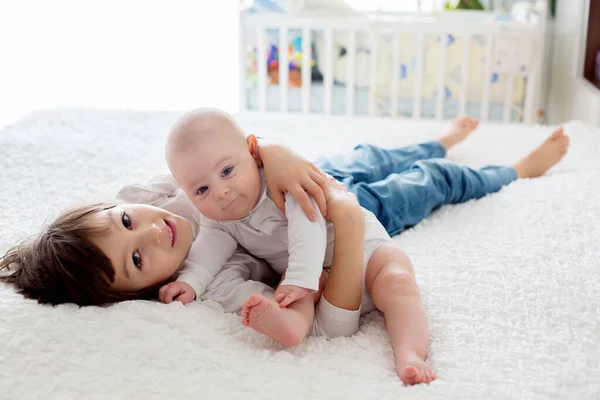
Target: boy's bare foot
412 369
545 156
460 130
265 316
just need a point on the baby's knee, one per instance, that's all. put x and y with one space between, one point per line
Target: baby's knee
388 253
395 279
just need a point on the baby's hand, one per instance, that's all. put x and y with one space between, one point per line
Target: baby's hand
176 291
287 294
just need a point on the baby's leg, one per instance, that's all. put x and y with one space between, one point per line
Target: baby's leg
391 283
287 325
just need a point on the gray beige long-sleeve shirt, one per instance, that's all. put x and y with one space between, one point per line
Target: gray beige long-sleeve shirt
241 276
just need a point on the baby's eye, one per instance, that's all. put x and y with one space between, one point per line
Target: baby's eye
126 221
202 190
227 171
137 259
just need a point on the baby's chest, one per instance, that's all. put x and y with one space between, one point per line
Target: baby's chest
263 238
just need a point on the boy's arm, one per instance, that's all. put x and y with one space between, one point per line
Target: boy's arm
307 244
239 279
288 172
207 256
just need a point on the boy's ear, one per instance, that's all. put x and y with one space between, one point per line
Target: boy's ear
253 148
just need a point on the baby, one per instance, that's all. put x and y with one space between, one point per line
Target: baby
216 165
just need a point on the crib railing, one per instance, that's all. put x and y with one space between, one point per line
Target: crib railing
376 25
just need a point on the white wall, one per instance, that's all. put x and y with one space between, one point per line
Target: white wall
146 55
570 96
163 56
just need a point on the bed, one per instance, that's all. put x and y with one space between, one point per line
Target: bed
510 282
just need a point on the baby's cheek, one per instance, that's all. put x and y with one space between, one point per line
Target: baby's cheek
201 206
252 188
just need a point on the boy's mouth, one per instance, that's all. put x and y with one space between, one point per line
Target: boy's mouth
172 231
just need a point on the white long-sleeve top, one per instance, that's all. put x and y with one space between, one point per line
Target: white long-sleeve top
239 277
290 243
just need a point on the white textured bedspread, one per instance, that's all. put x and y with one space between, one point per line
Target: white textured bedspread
511 282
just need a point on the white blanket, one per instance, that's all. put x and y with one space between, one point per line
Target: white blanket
511 282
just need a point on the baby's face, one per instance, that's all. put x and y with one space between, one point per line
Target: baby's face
220 177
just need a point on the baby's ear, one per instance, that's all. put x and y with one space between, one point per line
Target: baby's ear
253 148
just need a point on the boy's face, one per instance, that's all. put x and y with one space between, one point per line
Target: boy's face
220 176
145 244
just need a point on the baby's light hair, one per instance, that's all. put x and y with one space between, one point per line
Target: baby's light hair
196 125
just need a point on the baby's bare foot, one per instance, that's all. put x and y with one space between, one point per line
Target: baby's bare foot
266 317
460 130
412 369
545 156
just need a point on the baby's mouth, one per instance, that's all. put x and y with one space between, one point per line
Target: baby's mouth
229 204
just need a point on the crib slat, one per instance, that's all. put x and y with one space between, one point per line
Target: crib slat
373 72
508 97
441 92
328 73
242 43
418 78
487 76
283 68
351 54
465 74
306 69
395 72
530 99
262 68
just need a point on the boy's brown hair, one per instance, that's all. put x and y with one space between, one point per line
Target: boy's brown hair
62 264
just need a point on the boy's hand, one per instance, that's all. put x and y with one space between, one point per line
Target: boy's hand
286 171
340 202
287 294
176 291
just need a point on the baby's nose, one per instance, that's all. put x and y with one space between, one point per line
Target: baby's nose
221 193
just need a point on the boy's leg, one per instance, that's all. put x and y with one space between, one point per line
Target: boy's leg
402 200
391 283
367 163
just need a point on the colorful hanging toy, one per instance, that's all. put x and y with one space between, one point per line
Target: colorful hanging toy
294 65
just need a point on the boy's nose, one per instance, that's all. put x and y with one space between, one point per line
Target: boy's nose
153 234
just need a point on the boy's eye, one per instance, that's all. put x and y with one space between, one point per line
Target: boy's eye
227 171
202 190
137 260
126 221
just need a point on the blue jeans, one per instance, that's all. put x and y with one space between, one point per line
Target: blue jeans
403 186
